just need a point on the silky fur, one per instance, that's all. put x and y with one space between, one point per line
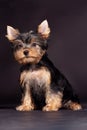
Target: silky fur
43 86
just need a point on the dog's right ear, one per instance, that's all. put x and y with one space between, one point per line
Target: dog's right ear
44 29
12 33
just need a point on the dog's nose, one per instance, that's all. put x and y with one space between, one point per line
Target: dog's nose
26 52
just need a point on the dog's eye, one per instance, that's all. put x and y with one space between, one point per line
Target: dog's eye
19 46
34 44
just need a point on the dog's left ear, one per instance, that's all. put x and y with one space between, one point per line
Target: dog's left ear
44 29
12 33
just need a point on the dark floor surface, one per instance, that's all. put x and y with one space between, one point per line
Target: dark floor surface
10 119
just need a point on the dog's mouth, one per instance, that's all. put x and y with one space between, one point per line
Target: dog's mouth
28 59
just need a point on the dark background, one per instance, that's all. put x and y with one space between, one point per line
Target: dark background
67 45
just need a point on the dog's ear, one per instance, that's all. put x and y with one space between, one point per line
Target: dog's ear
12 33
44 29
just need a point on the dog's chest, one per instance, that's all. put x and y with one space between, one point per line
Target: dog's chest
36 77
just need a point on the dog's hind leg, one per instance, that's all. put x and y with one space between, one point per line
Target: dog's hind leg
72 105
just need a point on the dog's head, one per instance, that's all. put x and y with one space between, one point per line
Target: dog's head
29 47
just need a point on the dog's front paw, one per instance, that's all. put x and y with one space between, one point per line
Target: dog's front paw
25 108
50 108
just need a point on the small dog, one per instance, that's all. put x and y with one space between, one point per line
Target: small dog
43 86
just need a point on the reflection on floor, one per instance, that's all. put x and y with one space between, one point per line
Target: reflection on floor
10 119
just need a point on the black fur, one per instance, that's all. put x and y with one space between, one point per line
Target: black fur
58 82
39 91
26 39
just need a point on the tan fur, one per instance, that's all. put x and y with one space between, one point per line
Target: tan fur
73 105
36 81
53 101
12 33
44 29
41 76
27 103
34 55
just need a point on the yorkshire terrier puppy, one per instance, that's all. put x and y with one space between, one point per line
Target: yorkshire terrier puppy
43 86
